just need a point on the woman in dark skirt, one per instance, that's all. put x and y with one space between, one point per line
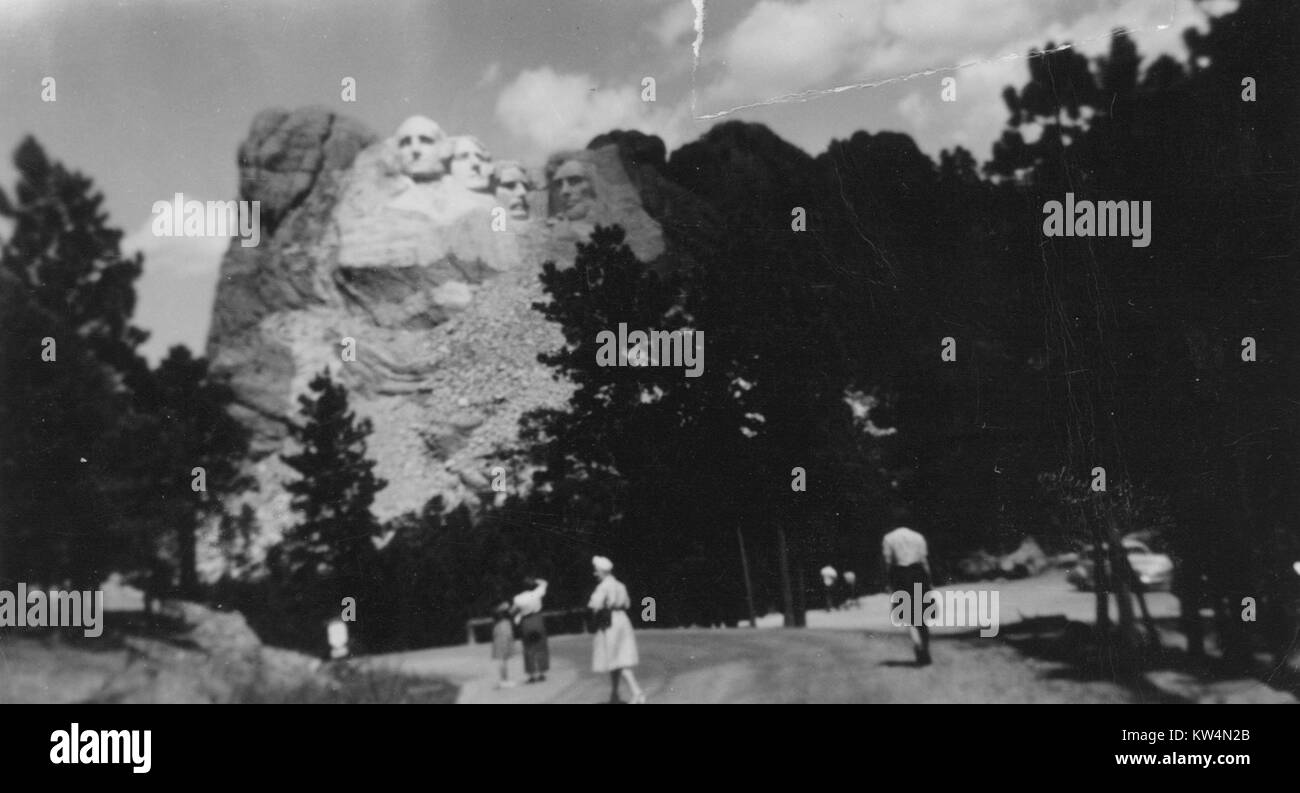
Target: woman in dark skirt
532 627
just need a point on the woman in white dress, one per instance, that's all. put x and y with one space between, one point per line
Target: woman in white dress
614 645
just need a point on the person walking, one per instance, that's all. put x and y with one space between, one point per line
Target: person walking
907 567
828 583
614 645
532 628
503 641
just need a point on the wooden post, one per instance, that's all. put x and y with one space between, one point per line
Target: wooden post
749 587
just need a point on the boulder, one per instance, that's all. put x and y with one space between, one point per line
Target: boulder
213 658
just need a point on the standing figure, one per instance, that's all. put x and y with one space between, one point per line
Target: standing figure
614 645
829 577
851 581
532 626
503 641
907 569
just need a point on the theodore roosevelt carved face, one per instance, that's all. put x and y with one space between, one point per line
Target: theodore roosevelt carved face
510 186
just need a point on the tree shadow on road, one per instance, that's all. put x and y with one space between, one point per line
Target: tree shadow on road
1083 656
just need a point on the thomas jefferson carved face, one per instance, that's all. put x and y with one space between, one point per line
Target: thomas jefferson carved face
470 164
510 185
418 140
572 190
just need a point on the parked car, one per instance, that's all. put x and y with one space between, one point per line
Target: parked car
1154 570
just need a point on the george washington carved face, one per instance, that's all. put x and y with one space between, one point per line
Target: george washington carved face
510 185
418 141
572 192
469 164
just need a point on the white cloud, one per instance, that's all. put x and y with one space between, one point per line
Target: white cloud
783 48
974 119
548 110
674 23
176 255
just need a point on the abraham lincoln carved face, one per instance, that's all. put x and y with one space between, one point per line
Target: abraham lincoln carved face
572 194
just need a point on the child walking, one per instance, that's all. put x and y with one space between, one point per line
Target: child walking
503 641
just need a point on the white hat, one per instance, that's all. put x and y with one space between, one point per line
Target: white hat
602 564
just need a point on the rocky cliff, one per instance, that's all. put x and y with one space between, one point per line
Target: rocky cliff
429 277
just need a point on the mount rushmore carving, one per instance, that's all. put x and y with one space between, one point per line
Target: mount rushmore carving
426 253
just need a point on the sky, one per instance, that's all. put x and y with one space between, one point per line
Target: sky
154 96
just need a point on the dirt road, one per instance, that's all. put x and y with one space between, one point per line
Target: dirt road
748 665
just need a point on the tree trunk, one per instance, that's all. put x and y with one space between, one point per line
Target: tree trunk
187 543
1148 622
787 595
1187 578
1190 597
749 586
1100 586
1235 570
801 596
1139 594
1121 576
1251 537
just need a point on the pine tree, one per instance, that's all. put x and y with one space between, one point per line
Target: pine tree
67 356
325 555
182 424
63 251
630 433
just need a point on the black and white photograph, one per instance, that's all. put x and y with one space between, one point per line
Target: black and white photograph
650 352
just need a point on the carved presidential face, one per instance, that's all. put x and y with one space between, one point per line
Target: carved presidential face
572 188
510 185
418 140
470 164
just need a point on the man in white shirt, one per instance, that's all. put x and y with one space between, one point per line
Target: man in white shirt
527 606
907 564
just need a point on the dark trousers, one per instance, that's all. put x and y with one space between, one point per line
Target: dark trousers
537 655
906 579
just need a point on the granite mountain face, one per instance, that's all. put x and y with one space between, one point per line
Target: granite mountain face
408 265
